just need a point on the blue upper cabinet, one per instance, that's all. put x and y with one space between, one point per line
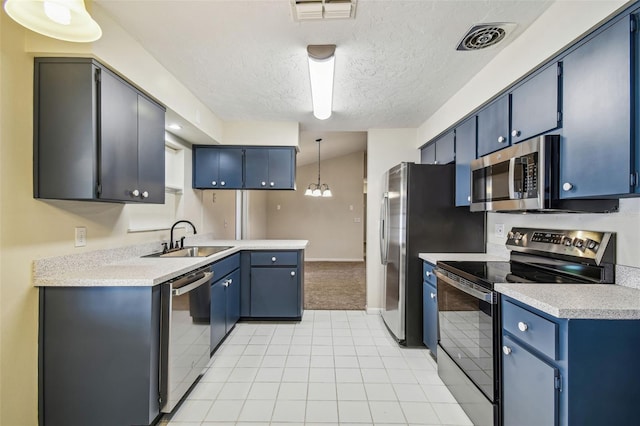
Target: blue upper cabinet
534 105
428 154
465 152
493 126
270 168
441 151
217 167
596 147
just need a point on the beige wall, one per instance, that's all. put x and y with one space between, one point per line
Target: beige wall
385 149
285 133
219 213
328 223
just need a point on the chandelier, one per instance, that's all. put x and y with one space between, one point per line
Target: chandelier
317 189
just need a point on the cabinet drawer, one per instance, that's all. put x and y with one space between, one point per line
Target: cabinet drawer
225 266
427 273
274 258
532 329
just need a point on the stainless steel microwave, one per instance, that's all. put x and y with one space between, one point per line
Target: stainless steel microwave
525 177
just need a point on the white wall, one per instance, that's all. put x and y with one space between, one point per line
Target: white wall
257 215
385 149
563 22
328 223
284 133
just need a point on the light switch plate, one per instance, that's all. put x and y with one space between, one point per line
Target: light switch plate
81 236
499 230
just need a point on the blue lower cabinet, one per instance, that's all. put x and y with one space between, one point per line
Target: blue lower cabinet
568 372
218 314
275 292
430 317
232 299
531 394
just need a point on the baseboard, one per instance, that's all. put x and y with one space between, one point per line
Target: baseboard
374 311
332 260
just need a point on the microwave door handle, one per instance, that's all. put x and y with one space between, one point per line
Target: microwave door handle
512 176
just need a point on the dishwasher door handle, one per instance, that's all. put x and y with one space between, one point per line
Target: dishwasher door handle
192 285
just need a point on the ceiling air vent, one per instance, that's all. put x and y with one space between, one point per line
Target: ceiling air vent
304 10
485 35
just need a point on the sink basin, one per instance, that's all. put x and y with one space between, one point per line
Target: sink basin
195 251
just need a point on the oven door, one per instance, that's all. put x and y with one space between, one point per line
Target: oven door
468 317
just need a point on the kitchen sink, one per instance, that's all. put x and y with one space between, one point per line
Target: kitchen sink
195 251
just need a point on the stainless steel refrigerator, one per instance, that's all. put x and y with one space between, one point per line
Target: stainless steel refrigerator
418 215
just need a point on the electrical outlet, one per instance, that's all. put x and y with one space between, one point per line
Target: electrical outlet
499 230
81 236
356 219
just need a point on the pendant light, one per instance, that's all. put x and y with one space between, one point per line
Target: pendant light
317 189
66 20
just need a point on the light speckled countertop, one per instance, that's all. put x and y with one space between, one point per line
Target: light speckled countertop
133 270
575 301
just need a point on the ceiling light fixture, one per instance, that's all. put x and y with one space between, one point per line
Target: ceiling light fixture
317 189
66 20
321 65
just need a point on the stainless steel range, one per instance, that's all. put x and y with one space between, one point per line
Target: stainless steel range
469 308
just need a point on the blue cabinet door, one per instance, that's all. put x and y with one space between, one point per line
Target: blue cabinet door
465 153
530 397
428 154
445 148
493 126
256 168
274 292
430 317
218 313
230 168
596 144
205 167
150 151
281 168
534 105
232 299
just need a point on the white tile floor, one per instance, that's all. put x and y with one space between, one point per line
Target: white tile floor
332 368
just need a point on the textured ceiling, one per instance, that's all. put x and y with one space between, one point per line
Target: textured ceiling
396 62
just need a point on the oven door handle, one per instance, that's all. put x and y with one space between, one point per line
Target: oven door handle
478 294
189 286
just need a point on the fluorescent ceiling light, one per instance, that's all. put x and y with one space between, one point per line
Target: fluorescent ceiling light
321 65
66 20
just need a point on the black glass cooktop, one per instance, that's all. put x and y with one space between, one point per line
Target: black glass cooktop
489 273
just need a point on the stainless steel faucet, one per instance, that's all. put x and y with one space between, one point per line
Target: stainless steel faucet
179 244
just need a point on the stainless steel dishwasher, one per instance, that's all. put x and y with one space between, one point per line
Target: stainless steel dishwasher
184 345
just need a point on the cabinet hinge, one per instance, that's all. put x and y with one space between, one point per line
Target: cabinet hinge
559 70
558 383
632 24
559 116
97 75
633 179
98 189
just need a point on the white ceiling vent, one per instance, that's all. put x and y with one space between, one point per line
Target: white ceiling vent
482 36
304 10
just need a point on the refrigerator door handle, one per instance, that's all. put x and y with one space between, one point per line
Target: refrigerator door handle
383 229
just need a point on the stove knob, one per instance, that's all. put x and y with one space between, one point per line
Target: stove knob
518 236
578 243
592 245
567 241
510 235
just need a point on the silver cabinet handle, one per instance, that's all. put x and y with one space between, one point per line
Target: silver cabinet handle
567 186
263 183
435 162
221 183
293 273
515 133
469 198
272 184
433 295
502 139
227 283
522 326
429 274
135 193
145 194
506 350
273 259
214 183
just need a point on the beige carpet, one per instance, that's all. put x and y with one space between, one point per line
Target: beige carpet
334 285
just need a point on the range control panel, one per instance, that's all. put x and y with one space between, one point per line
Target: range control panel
582 244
